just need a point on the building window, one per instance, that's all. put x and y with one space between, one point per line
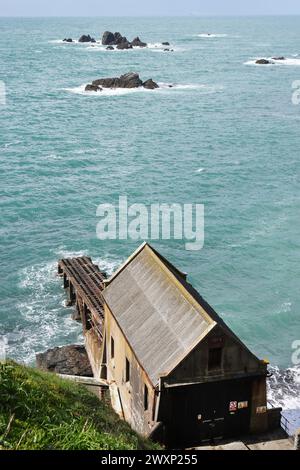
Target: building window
215 358
146 398
127 372
112 348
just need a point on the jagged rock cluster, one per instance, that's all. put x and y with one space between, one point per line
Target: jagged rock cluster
129 80
121 42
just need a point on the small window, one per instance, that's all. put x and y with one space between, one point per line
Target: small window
127 379
215 358
112 348
146 398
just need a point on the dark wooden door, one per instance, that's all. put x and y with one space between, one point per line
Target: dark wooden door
209 412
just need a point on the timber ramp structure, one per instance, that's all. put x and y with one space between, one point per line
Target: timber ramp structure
84 283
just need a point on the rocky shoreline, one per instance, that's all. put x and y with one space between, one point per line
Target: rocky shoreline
67 360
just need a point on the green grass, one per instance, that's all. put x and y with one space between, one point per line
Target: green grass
41 411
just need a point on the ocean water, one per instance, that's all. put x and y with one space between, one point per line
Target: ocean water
227 136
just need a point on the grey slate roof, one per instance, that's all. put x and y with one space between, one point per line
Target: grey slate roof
158 316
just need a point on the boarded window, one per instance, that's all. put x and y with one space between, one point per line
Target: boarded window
112 348
215 358
146 398
127 372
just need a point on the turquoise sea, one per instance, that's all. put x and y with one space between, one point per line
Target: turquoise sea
226 136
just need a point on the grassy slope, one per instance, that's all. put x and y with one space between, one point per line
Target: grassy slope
41 411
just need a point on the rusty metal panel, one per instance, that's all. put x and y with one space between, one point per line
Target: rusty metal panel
159 320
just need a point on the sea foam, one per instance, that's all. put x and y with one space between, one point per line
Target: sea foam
213 35
283 391
288 61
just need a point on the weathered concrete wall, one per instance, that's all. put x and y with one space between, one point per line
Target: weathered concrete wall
131 393
93 347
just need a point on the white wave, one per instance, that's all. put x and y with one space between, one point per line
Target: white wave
10 144
274 62
44 322
211 35
74 41
63 252
107 264
283 391
53 156
80 90
200 170
163 87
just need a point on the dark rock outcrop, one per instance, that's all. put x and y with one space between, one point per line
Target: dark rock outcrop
110 48
108 38
116 39
68 40
119 38
166 43
68 360
263 62
150 84
91 87
279 58
86 38
128 80
124 45
138 43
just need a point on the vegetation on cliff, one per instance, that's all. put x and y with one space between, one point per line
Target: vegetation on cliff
41 411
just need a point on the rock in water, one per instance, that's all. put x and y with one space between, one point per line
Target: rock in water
68 40
124 45
91 87
130 80
165 43
68 360
150 84
110 48
138 43
86 38
108 38
278 58
119 38
263 62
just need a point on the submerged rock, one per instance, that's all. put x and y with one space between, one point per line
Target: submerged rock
68 360
86 38
68 40
110 48
263 62
91 87
165 43
278 58
150 84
